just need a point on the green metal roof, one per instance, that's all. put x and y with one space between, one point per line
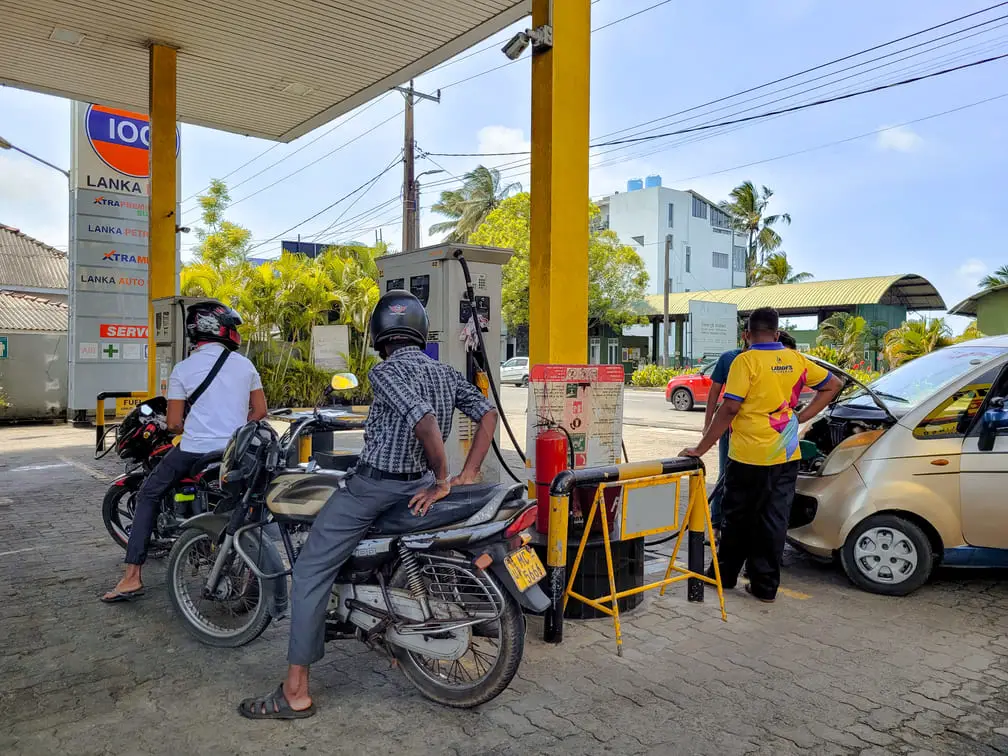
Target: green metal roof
969 305
911 291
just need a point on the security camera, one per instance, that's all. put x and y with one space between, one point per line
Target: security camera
182 229
516 45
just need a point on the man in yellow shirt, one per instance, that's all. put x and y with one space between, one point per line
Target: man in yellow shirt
761 394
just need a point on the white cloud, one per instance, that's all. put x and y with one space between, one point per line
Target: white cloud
972 270
502 139
899 139
34 199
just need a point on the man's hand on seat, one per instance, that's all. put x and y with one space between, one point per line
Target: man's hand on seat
466 478
422 502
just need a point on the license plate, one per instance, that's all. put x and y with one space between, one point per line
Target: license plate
525 568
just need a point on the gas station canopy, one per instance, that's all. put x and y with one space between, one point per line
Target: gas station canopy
267 68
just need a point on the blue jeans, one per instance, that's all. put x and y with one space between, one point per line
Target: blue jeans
718 493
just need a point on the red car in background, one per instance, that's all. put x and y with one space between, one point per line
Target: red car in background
685 391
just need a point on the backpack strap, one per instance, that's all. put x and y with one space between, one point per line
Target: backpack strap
195 395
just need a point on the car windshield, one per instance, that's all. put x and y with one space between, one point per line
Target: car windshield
910 384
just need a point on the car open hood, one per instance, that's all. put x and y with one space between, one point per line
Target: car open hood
874 397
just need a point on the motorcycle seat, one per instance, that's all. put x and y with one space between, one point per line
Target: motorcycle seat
207 459
465 505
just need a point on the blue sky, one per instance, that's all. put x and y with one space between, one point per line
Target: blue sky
919 198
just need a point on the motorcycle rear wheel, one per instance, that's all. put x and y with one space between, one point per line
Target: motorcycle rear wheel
194 553
113 510
433 678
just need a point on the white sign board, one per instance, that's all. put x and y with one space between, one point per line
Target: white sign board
713 328
330 345
109 231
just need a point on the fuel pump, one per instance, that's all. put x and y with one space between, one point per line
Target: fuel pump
450 291
170 343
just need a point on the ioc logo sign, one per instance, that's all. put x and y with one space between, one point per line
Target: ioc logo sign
121 139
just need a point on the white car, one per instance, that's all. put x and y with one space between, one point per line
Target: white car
516 371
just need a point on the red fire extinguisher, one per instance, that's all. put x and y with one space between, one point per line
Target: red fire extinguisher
551 460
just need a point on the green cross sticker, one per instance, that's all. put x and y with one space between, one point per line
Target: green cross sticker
110 351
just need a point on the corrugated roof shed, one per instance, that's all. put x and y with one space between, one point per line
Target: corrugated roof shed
912 291
28 263
20 312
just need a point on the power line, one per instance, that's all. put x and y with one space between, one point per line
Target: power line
746 119
359 197
600 28
315 162
285 157
330 206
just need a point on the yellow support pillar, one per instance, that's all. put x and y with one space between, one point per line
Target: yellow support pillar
162 277
558 264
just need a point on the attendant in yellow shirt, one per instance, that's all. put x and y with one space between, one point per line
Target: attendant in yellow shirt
761 394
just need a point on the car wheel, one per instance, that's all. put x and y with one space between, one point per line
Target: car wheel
888 555
682 400
524 381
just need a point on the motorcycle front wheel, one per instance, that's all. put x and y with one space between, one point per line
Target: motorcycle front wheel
484 671
236 614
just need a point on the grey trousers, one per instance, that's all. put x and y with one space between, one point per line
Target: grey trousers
334 535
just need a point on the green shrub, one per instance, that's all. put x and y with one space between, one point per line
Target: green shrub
653 376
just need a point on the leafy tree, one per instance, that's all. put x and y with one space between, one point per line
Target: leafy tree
914 339
776 270
845 333
617 277
997 278
748 210
220 241
469 206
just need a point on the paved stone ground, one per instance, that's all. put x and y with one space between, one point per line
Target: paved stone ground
825 670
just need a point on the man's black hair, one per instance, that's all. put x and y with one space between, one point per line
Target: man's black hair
787 340
763 320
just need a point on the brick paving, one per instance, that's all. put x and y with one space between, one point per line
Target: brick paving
826 670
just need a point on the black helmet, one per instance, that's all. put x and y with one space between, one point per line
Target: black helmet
398 316
213 321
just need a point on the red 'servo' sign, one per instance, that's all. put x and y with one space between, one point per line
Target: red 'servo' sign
113 331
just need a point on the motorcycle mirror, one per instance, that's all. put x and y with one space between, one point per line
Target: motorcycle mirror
343 382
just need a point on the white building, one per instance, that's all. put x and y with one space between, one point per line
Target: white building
704 253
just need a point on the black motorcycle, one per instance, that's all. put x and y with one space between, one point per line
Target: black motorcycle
142 440
442 594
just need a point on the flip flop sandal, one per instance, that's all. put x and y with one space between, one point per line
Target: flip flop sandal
118 596
273 706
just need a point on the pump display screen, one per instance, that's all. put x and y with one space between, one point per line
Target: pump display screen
395 284
419 287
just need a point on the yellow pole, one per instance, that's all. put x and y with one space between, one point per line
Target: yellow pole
697 523
162 277
558 260
558 263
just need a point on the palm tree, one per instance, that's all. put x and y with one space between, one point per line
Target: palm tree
997 278
776 270
916 338
747 208
844 333
467 207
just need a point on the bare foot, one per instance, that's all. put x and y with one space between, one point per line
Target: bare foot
127 585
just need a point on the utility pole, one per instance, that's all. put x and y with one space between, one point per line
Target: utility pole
410 210
665 323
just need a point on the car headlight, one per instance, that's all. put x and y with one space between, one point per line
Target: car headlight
849 451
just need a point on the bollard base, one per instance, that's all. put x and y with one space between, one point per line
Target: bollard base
592 579
695 563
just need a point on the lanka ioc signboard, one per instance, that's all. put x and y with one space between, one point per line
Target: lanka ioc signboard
109 233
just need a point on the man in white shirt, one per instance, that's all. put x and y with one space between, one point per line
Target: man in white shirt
230 399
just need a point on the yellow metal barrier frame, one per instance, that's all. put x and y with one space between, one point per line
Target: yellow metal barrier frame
697 517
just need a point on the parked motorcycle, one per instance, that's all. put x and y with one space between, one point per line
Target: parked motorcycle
442 594
141 441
